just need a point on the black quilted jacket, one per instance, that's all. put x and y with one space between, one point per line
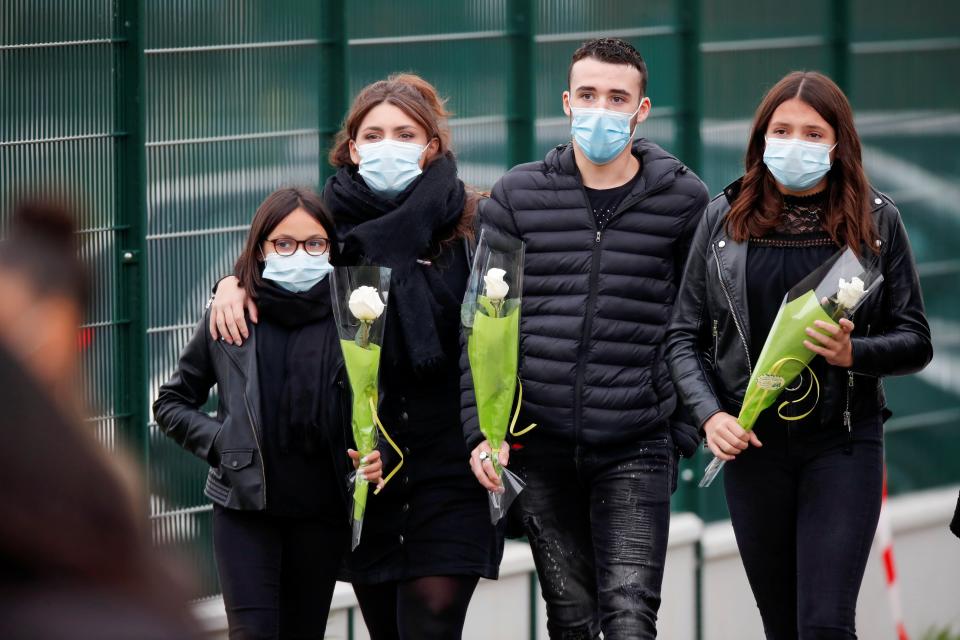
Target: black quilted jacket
595 303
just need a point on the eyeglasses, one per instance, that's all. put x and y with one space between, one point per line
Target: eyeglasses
288 246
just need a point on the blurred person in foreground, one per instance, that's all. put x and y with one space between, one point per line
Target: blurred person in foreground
75 558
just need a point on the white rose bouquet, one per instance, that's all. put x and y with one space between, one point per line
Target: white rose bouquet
833 291
491 320
359 305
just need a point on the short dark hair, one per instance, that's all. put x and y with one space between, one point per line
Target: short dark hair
272 211
613 51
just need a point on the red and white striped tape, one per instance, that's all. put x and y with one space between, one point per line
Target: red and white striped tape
885 543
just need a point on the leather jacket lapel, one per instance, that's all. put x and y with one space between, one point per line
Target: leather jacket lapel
245 360
732 257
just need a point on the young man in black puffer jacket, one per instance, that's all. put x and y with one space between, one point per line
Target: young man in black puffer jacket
607 225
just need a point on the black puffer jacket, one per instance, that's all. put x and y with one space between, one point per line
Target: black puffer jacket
595 304
711 371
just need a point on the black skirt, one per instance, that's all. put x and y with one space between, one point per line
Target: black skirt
432 518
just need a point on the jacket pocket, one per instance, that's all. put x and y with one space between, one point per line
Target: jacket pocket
236 459
216 490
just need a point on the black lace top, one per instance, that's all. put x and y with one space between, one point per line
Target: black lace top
775 263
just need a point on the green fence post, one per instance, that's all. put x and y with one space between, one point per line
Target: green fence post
689 148
335 78
521 86
131 203
840 43
532 586
690 108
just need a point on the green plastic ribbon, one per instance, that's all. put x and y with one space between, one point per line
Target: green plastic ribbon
390 441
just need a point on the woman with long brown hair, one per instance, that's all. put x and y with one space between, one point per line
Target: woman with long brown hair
804 493
397 202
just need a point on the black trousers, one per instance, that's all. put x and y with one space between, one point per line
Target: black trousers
804 509
277 574
597 519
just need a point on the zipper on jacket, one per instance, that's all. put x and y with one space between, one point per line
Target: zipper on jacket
847 418
253 427
592 297
847 413
733 310
716 342
587 330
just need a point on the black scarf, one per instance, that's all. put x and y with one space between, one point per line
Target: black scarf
396 233
312 357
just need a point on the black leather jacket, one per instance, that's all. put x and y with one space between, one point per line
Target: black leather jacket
708 341
230 441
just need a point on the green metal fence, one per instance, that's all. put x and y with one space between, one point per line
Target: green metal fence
170 120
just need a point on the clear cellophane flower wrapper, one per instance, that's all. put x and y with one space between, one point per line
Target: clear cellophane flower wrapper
359 307
833 291
491 321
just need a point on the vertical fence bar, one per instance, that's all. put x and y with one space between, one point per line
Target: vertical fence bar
335 78
840 43
130 169
532 586
690 111
521 86
690 148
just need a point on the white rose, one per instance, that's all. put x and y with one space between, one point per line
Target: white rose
496 288
850 293
365 304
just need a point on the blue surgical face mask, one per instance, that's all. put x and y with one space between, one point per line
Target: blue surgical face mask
601 134
797 164
297 272
388 167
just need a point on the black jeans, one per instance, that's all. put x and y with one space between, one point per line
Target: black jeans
277 574
597 519
804 509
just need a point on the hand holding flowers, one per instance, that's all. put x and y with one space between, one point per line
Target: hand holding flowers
835 345
483 468
726 438
370 466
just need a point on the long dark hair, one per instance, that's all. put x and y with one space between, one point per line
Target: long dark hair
419 100
275 207
757 208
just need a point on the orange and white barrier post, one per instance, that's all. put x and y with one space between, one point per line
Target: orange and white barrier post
885 544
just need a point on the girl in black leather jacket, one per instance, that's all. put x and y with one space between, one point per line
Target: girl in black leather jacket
804 495
276 447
